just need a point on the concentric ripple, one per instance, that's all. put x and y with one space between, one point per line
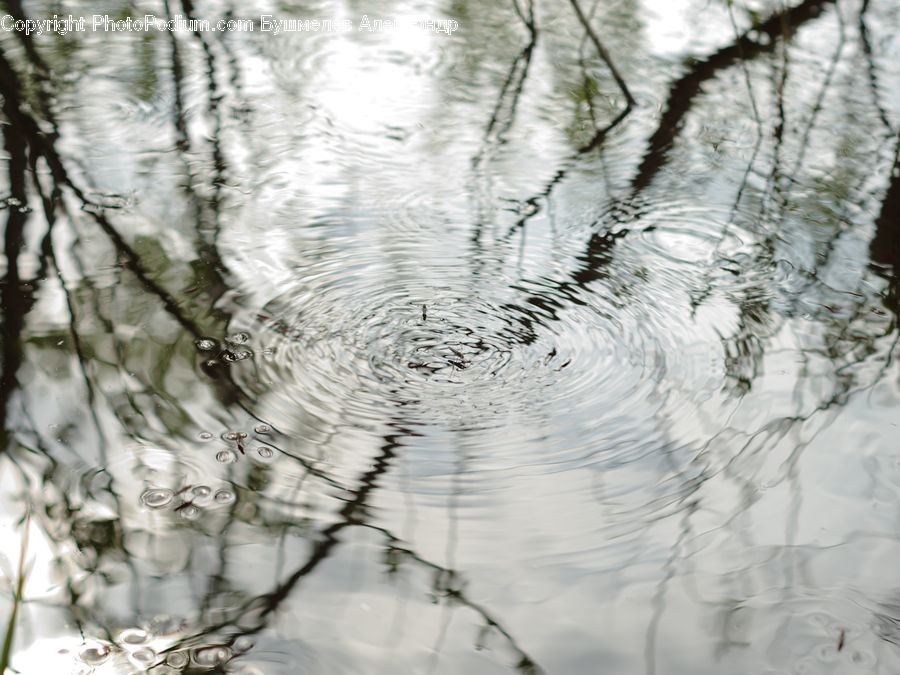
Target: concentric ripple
450 340
428 337
435 349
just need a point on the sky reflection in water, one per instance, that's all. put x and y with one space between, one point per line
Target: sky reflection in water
404 352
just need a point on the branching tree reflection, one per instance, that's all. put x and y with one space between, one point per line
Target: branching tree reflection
133 380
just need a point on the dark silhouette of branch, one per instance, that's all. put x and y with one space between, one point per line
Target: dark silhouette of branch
16 295
213 267
683 91
885 246
679 102
870 69
40 143
601 50
823 90
526 664
252 617
24 127
527 20
520 65
495 133
535 308
538 308
15 10
532 205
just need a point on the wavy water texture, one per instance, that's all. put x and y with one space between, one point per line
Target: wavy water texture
566 343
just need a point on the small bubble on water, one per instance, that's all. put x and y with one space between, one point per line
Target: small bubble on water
205 436
211 657
262 429
234 435
190 512
177 659
133 636
265 453
144 655
239 338
224 497
94 653
226 456
206 344
157 498
201 491
243 644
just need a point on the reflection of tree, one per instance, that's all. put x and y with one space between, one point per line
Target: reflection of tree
208 224
679 101
253 615
504 113
850 335
885 248
17 294
603 52
26 142
683 92
728 452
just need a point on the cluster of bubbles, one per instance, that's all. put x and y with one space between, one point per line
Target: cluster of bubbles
14 203
151 651
189 501
236 438
229 350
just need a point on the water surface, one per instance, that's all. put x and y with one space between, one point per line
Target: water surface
406 352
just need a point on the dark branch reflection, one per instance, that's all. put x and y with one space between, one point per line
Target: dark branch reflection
275 400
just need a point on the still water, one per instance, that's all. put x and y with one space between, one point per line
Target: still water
526 348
